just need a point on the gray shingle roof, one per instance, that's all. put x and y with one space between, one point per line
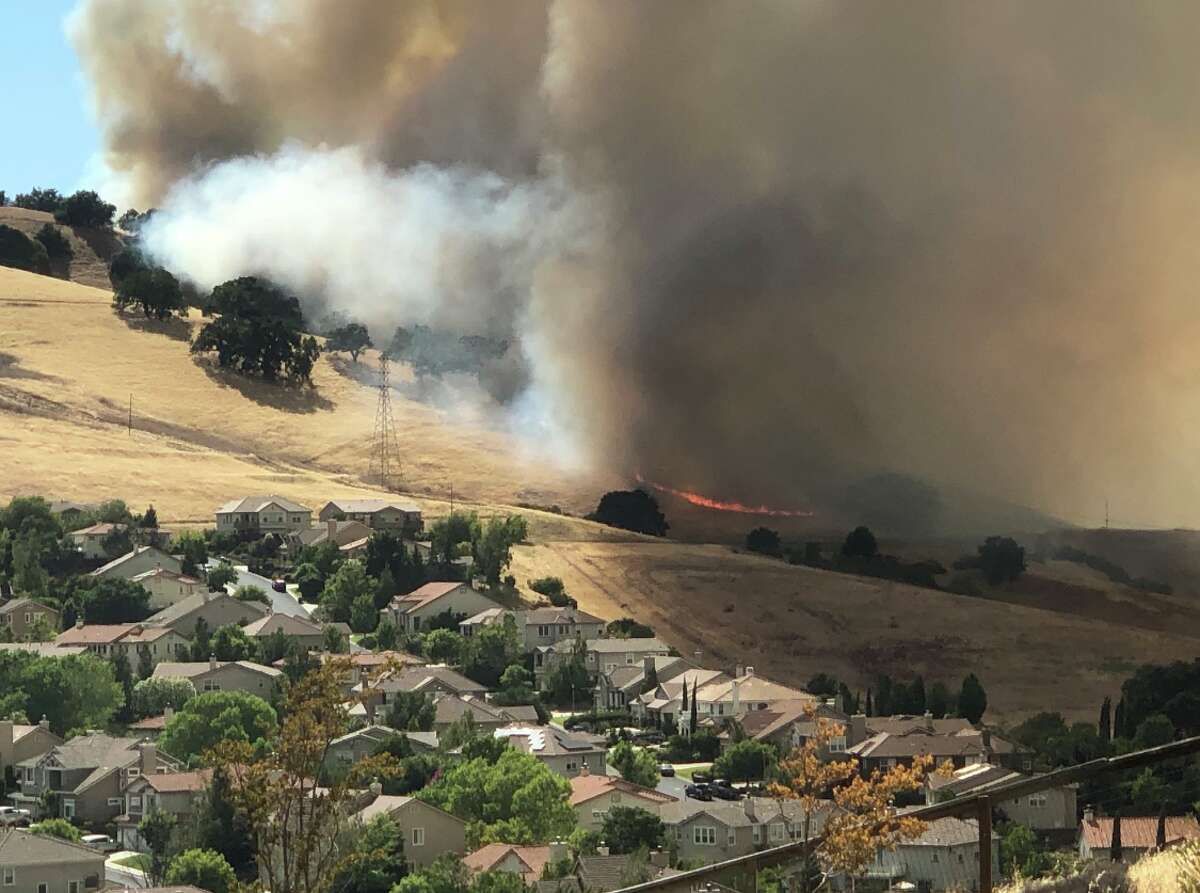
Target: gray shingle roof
623 646
19 847
173 613
179 670
368 506
257 503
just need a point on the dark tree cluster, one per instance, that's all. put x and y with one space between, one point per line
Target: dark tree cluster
258 331
19 251
1000 558
55 243
764 541
634 510
85 208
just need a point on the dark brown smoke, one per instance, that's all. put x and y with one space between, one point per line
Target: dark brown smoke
825 243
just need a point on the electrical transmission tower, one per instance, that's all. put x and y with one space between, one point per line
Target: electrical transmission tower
385 448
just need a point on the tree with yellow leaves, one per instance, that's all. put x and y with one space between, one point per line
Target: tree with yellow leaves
299 825
860 820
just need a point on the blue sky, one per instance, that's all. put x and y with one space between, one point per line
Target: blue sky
50 138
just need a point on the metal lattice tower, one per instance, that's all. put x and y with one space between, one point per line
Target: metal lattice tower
385 448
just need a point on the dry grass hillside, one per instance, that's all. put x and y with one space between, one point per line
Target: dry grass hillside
91 249
69 366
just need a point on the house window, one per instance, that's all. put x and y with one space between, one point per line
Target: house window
704 835
29 775
563 629
890 762
1038 801
135 804
10 876
731 837
777 831
758 833
43 888
572 766
68 807
114 801
418 837
629 659
211 685
544 631
72 886
1027 763
599 814
933 858
28 617
960 859
838 744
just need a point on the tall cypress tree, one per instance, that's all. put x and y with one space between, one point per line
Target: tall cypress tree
1118 726
694 716
870 709
1105 725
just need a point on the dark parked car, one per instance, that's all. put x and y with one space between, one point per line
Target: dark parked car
666 770
698 792
650 737
722 790
702 777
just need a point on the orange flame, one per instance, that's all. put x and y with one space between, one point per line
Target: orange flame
721 505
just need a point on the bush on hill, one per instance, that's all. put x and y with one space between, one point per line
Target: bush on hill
55 243
634 510
152 289
20 251
85 208
764 541
49 200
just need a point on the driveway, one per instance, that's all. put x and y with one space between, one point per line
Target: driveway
672 786
123 875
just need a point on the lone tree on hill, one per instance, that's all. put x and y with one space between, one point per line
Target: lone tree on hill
860 543
152 289
763 540
85 208
258 331
352 338
634 510
1001 559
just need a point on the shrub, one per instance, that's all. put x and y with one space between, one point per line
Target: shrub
20 251
85 208
54 241
49 200
764 540
554 590
634 510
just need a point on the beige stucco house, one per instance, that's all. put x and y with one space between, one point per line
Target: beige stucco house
220 675
23 616
567 753
592 796
263 514
412 612
707 832
174 793
35 863
168 587
157 643
216 609
428 832
378 514
137 561
305 633
19 743
1053 809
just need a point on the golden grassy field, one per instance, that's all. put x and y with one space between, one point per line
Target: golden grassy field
69 365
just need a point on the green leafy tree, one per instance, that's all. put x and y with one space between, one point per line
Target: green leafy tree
447 534
627 829
352 338
29 576
252 594
157 828
491 651
745 761
205 869
376 860
86 208
310 580
493 548
635 764
59 828
123 674
335 641
442 646
516 687
386 636
230 642
634 510
1021 853
221 576
114 600
56 244
568 681
194 549
213 717
75 692
348 584
363 615
152 696
860 543
939 702
513 799
972 699
1154 731
48 200
411 711
258 331
19 251
153 290
554 590
219 825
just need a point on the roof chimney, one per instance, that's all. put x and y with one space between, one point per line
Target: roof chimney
212 662
929 720
330 528
748 805
79 623
376 788
148 759
738 671
43 723
1089 814
749 671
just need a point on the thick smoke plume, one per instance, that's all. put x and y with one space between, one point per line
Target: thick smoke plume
767 251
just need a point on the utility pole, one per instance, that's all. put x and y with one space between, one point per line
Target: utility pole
452 497
129 418
1106 513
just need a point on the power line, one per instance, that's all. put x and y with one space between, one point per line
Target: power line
385 447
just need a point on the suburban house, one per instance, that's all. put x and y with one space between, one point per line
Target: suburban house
23 616
592 796
168 587
967 747
307 635
263 514
903 723
361 743
19 743
788 725
38 863
540 627
69 511
662 704
378 514
152 726
428 832
1139 834
224 675
366 665
216 609
745 693
944 857
138 561
341 533
1050 810
431 679
411 613
527 861
600 655
174 793
602 874
707 832
89 541
158 643
620 686
451 708
567 753
87 775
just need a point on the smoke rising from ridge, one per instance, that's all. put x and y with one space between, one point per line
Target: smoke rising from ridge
759 251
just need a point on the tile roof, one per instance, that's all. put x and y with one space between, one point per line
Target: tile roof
450 708
343 532
744 813
752 688
197 600
150 724
903 723
416 678
290 624
258 503
548 615
1138 832
179 782
970 778
588 787
485 617
43 649
368 506
948 832
18 847
385 803
175 669
107 634
601 874
487 857
102 529
424 595
20 604
965 743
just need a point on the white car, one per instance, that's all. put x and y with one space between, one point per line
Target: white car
10 815
101 842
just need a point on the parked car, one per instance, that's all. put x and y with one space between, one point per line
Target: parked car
723 790
11 816
702 777
666 770
101 842
698 792
279 585
651 736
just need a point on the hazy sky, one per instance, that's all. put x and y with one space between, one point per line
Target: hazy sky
50 139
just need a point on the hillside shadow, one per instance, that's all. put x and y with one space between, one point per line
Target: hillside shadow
104 242
174 328
300 399
10 367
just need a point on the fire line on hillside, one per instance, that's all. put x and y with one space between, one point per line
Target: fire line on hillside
722 505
